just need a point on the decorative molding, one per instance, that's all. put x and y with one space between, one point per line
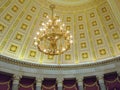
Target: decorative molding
58 66
41 71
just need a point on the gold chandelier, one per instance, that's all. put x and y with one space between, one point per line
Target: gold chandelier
52 37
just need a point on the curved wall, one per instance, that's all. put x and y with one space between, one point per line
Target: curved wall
61 71
20 68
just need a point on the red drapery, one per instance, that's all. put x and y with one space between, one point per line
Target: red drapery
49 84
72 87
112 81
27 84
91 83
92 86
5 85
52 87
5 82
70 84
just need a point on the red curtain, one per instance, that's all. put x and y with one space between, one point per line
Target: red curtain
70 84
91 83
27 84
49 84
5 85
112 81
52 87
5 82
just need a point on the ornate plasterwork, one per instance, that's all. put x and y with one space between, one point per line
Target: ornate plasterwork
19 68
58 66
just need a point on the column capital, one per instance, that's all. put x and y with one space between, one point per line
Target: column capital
100 78
101 81
59 81
79 79
118 73
16 78
39 81
39 78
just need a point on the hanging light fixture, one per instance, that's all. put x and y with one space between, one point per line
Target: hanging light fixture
52 37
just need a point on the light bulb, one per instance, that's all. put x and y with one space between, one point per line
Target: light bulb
43 24
35 38
49 20
36 43
56 37
52 27
44 50
70 36
63 49
47 16
41 29
38 33
57 51
61 28
71 41
68 32
47 23
58 20
63 25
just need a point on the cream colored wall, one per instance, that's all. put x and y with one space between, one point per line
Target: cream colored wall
95 31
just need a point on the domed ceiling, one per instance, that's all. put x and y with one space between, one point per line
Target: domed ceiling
93 24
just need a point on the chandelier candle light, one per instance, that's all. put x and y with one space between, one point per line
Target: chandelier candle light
52 37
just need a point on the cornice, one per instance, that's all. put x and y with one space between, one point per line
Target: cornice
58 66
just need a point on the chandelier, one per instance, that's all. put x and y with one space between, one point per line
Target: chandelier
52 38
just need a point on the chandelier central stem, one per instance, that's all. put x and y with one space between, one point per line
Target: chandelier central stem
52 7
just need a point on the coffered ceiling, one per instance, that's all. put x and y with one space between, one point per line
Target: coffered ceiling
92 23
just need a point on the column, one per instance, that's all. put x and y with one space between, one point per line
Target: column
16 79
80 83
59 83
118 73
38 83
101 82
